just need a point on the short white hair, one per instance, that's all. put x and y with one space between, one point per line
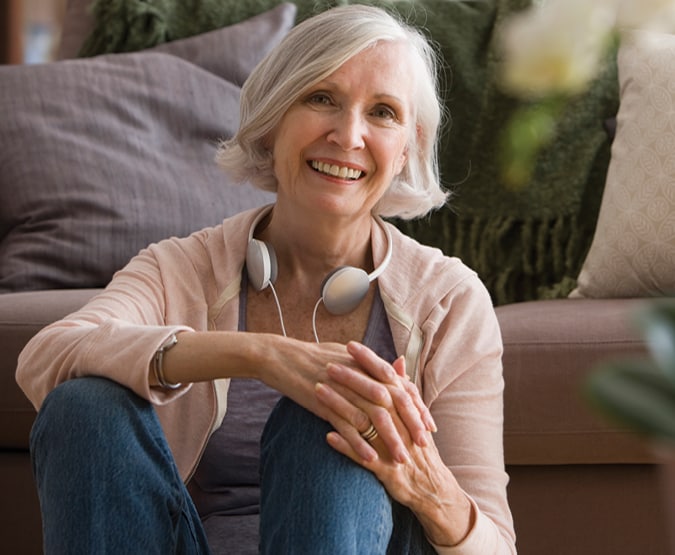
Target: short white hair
310 52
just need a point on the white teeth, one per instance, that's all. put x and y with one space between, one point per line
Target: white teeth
336 171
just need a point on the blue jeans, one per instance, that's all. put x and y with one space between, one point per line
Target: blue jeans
108 483
315 501
106 479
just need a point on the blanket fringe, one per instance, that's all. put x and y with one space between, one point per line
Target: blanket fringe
518 260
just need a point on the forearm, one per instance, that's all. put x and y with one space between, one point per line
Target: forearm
290 366
203 356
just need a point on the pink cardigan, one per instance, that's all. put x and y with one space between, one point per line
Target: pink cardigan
441 318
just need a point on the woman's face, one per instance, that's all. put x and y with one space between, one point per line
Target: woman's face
337 149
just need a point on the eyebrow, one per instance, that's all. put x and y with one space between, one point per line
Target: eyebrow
379 96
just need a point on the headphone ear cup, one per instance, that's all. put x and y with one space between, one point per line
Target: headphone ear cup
261 264
343 289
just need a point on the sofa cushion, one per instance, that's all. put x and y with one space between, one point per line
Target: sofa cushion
524 244
22 315
633 249
101 157
550 348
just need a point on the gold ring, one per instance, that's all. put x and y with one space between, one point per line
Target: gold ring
370 434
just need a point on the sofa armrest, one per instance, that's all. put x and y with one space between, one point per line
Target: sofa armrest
22 315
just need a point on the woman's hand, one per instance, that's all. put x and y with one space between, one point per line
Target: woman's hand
294 367
372 395
423 483
404 394
403 455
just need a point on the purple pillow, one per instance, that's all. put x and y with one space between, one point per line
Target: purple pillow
101 156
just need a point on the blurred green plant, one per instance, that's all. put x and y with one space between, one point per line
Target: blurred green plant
641 392
529 129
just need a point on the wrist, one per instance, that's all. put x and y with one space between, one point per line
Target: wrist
448 523
262 356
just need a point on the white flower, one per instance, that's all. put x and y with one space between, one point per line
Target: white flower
555 46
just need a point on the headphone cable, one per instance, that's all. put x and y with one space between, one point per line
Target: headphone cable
316 307
281 316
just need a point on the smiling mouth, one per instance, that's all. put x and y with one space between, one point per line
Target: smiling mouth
343 172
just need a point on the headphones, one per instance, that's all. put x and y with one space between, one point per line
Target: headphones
342 290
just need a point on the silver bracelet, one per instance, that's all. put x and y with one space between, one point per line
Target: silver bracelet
157 363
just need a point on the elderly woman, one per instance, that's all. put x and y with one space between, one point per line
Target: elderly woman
387 354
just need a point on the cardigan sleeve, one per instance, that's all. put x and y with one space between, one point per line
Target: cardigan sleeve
462 383
114 336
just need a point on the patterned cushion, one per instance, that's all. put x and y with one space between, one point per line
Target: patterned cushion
633 249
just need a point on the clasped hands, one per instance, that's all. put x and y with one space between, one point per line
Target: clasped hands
403 454
375 395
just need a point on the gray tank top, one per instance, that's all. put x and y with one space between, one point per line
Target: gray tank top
226 481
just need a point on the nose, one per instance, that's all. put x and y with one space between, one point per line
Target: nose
348 131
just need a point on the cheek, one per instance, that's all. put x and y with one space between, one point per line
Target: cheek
285 164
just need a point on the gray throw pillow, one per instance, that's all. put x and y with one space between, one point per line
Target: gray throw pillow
100 157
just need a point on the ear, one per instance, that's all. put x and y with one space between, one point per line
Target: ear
402 160
414 142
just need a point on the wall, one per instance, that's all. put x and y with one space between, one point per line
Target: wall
29 30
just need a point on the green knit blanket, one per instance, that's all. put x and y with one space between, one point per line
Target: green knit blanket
526 244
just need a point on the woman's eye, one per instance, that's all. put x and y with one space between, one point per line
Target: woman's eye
319 98
384 112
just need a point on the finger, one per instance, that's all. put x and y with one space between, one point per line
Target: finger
404 396
375 366
363 385
337 442
380 417
392 436
347 430
410 414
399 366
421 407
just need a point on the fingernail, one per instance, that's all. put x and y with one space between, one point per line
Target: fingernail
371 457
355 345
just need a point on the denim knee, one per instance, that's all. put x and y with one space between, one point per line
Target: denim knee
99 449
314 499
84 409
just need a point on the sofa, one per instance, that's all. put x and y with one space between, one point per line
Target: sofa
111 148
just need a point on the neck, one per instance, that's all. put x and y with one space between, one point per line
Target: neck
317 244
